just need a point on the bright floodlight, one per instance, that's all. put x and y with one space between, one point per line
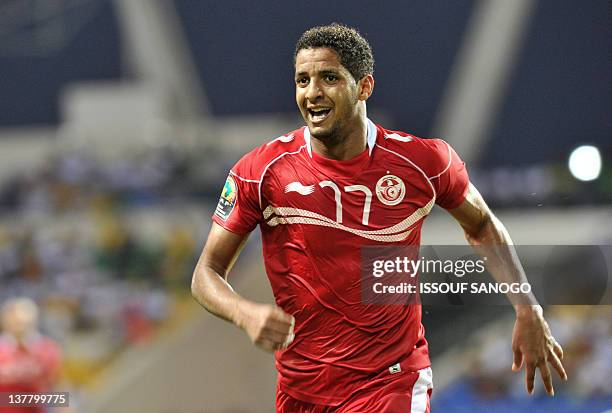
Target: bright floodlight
585 163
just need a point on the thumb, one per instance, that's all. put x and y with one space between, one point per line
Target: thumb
283 316
517 361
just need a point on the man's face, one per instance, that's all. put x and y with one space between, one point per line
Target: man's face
18 320
326 93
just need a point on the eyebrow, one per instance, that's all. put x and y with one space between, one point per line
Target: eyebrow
320 72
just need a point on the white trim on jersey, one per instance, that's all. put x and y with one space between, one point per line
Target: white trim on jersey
419 391
450 160
282 138
414 165
371 136
243 179
270 164
395 233
370 140
332 224
307 140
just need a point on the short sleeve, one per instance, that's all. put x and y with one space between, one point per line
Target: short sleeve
452 181
238 208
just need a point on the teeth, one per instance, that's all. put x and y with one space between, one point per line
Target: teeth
319 114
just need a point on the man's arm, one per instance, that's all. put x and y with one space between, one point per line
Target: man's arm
532 341
268 326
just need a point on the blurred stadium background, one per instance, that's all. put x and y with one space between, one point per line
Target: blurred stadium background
120 119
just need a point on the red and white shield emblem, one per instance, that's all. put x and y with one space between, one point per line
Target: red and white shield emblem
390 190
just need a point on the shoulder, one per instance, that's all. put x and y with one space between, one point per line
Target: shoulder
431 155
7 342
253 165
6 348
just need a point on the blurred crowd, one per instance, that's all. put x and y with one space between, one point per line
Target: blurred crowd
104 248
73 180
584 332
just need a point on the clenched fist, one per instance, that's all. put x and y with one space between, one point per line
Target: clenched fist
268 326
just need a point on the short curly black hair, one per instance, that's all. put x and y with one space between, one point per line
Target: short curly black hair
353 49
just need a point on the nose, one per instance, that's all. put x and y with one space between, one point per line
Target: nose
313 91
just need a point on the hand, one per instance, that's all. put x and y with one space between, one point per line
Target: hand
534 345
268 326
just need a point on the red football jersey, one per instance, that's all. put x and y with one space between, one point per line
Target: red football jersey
315 214
32 367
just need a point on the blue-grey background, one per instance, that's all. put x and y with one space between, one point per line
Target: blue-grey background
560 93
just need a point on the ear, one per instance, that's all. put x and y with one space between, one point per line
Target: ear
366 87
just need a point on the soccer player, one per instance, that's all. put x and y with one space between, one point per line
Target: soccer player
29 362
319 194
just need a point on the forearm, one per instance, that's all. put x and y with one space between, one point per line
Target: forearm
532 343
267 325
491 240
216 295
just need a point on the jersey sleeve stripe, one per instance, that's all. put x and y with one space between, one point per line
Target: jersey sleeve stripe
450 161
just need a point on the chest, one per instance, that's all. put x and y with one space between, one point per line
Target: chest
18 365
379 196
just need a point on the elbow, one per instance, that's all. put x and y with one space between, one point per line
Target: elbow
199 288
201 285
196 285
193 285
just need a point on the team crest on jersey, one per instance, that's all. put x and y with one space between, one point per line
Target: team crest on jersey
390 190
227 201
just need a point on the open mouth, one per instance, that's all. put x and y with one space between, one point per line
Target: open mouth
318 115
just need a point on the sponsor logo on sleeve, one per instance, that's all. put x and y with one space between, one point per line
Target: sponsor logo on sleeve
227 201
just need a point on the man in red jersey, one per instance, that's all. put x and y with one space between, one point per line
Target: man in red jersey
29 362
320 194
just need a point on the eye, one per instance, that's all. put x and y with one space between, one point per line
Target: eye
301 81
331 78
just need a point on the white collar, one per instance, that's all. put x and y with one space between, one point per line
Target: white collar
370 141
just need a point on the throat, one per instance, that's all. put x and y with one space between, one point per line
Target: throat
344 140
337 148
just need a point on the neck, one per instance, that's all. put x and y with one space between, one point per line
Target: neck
21 337
345 147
